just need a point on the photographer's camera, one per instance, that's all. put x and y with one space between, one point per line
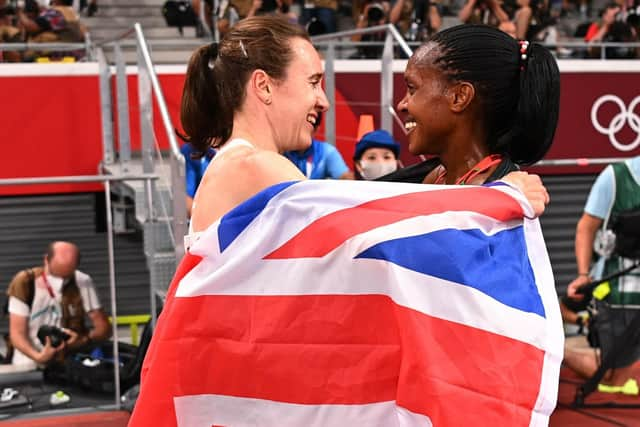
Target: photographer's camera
56 335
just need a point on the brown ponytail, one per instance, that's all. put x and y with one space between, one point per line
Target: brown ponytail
214 88
201 100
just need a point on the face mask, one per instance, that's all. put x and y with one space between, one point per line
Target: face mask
373 170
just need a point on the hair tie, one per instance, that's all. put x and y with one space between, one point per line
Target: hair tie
212 52
524 53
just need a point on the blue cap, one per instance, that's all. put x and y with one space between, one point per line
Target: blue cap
376 139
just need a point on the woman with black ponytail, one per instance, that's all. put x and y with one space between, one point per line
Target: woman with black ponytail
479 102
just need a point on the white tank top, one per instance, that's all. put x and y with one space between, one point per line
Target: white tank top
191 238
236 142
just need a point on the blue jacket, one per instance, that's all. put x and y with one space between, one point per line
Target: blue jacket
195 166
321 160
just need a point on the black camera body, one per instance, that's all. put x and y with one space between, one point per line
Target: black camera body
57 335
626 226
375 14
268 6
7 11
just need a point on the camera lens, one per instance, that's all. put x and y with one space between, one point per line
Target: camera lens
375 13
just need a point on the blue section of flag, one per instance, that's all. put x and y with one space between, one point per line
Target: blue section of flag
234 223
496 184
496 265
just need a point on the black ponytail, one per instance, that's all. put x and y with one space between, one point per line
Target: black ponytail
520 97
538 107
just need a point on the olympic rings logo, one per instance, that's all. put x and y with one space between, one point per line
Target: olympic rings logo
617 122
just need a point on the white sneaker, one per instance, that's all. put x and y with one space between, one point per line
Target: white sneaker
58 398
8 394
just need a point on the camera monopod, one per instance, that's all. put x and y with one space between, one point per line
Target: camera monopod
619 345
588 288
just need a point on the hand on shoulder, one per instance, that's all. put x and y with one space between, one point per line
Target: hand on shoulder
531 186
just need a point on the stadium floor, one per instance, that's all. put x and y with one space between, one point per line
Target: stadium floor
567 416
95 419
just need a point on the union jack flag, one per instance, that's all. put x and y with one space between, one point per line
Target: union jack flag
333 303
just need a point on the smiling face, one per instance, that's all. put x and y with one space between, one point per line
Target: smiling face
298 99
426 104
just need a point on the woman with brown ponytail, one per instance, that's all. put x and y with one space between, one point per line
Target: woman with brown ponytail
253 96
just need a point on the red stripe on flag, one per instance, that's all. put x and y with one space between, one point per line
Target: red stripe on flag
327 233
187 264
330 349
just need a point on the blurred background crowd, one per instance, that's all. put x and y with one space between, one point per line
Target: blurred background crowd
553 22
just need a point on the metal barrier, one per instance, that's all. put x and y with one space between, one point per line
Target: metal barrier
106 179
581 161
89 46
148 87
51 47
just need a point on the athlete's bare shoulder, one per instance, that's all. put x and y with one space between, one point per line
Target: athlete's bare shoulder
236 176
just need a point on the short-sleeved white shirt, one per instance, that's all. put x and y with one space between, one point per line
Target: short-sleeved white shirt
47 310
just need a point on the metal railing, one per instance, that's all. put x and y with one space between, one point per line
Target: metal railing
86 46
571 44
149 85
581 161
148 88
106 180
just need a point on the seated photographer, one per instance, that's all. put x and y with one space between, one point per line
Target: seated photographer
612 28
416 19
324 11
373 13
54 295
616 190
488 12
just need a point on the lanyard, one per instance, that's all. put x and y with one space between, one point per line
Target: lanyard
482 166
48 286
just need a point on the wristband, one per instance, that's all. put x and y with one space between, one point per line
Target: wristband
583 274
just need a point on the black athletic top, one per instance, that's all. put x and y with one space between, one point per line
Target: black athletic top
416 173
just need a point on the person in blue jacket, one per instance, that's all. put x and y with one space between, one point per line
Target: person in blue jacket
196 163
321 160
